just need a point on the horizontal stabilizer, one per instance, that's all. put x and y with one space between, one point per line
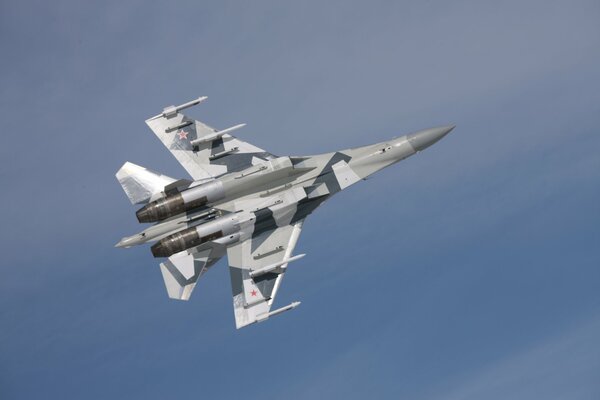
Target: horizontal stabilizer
140 183
181 271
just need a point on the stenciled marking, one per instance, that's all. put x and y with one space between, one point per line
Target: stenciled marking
182 134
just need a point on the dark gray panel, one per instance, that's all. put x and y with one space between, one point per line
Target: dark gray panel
184 143
306 207
217 147
327 176
265 221
237 281
265 283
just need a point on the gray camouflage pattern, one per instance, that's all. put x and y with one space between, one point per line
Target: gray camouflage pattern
267 199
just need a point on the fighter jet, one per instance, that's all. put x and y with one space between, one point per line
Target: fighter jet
241 201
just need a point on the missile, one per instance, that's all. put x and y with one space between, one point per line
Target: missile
171 111
265 316
214 136
130 241
269 268
223 153
179 126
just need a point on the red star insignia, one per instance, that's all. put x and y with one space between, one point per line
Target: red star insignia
253 293
182 135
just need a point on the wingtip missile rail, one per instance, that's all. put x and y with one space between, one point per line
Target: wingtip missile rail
171 111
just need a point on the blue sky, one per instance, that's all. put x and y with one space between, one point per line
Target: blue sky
469 271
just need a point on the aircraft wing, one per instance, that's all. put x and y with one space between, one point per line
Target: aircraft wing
256 268
204 152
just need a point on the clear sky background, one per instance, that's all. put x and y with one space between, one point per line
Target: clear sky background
470 271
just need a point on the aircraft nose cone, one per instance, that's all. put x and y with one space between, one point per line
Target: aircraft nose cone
425 138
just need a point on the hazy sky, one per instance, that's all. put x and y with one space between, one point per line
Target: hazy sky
470 271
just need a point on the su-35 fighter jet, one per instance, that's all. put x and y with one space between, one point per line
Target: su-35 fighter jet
244 202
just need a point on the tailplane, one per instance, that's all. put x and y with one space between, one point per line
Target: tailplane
141 184
181 271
